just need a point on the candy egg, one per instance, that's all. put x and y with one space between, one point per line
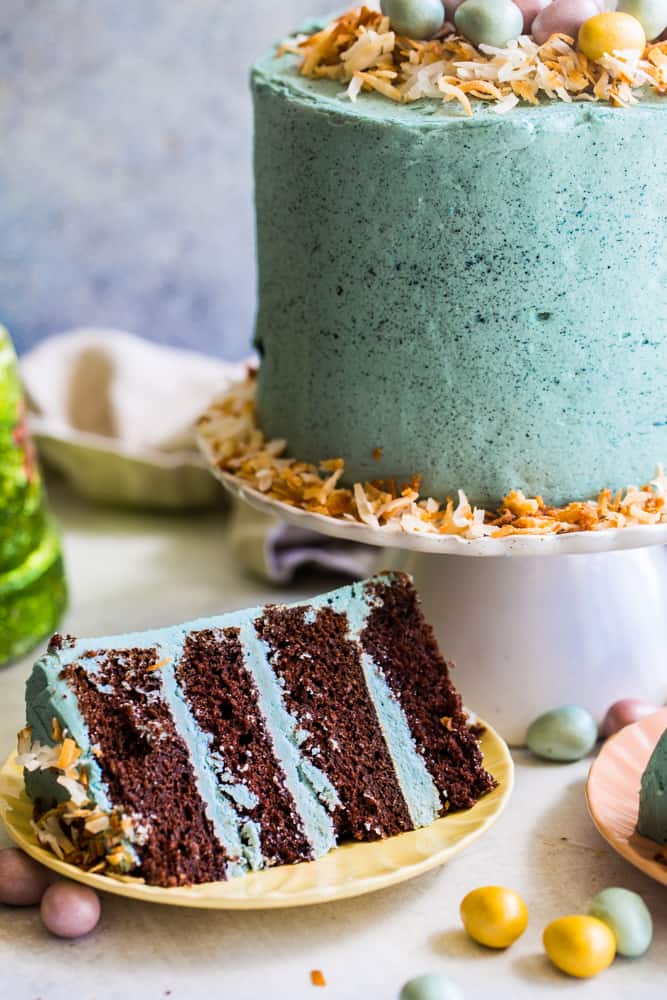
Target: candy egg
69 910
651 14
623 713
562 17
563 734
579 945
627 916
610 32
414 18
489 22
530 9
22 881
494 916
431 987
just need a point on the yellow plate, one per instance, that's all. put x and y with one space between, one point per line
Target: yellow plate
350 870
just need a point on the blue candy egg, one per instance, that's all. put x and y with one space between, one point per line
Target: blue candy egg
415 18
628 917
431 987
651 14
563 734
489 22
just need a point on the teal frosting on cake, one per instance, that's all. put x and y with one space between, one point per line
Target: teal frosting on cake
308 786
481 301
419 790
47 698
228 800
652 821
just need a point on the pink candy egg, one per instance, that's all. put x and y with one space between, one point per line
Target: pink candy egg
530 9
623 713
69 910
22 881
564 17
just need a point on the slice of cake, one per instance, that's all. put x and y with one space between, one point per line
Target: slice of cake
262 737
652 821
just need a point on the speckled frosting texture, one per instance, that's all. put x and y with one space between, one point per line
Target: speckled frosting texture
484 300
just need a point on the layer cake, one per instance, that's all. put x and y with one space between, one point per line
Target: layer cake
264 737
477 300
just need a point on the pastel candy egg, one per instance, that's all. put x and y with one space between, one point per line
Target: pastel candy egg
651 14
530 9
580 945
489 22
562 17
609 32
69 910
628 917
623 713
431 987
563 734
494 916
414 18
22 881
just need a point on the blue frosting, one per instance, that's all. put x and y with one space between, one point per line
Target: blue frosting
47 698
309 787
419 791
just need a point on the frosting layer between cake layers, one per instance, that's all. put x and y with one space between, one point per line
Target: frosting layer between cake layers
481 301
260 737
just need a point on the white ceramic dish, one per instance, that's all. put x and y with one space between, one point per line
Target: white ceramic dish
108 471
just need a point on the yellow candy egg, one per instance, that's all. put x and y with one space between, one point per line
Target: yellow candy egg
581 946
610 32
494 916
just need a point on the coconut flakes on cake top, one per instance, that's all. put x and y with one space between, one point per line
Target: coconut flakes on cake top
360 49
237 445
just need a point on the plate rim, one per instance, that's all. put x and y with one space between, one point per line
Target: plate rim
516 546
316 893
624 848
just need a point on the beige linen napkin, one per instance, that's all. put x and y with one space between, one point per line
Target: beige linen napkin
116 414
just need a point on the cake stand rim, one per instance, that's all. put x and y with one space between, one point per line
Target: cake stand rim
638 536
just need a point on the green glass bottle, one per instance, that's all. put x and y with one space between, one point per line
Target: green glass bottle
32 579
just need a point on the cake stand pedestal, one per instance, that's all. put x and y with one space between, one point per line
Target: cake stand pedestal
532 622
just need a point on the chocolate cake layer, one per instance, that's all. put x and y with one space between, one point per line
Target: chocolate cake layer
324 687
402 644
146 765
224 701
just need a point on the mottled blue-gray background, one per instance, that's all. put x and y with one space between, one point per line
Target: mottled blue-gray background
125 165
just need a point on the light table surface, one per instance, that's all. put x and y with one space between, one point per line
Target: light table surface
130 571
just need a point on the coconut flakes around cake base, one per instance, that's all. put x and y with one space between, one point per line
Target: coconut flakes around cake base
230 431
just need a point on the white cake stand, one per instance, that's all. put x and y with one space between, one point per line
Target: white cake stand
537 621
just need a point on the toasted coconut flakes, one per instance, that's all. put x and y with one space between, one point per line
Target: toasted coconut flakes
252 459
506 104
360 49
97 824
159 665
76 830
355 87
